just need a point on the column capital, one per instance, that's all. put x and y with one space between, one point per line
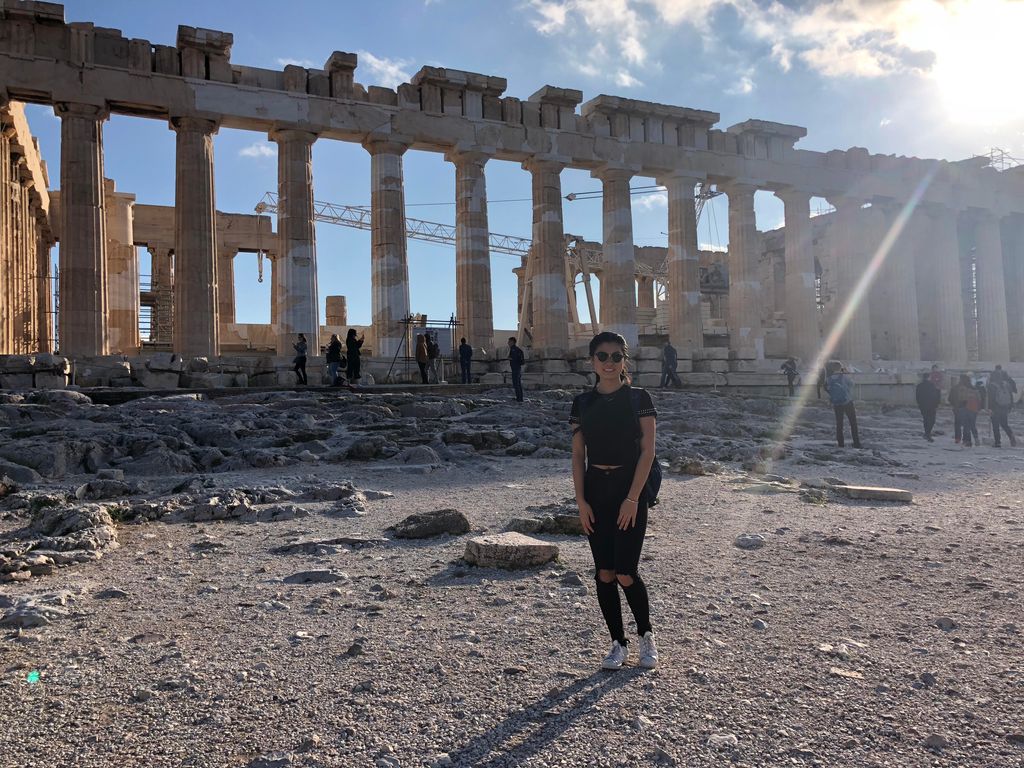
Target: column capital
793 194
391 144
842 201
475 156
84 111
541 164
281 135
738 187
684 177
611 172
194 124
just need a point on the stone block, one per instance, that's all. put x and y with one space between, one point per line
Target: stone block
873 493
165 361
492 379
15 381
51 380
743 353
711 366
648 380
509 550
158 379
103 372
240 380
701 379
198 365
52 363
16 363
743 366
712 353
208 380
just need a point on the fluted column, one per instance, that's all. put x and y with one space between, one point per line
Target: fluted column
226 284
548 286
162 283
473 302
897 283
802 335
122 273
686 324
83 262
852 256
1013 268
298 310
390 266
993 331
618 287
645 292
746 294
44 299
196 324
946 293
6 239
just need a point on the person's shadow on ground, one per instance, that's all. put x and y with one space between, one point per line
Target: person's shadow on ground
535 726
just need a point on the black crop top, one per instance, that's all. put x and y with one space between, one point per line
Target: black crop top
609 425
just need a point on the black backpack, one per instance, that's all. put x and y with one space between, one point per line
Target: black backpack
653 484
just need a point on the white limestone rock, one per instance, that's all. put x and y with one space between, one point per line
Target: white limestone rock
509 550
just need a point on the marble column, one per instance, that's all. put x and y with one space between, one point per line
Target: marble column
1013 268
548 286
83 262
746 294
122 273
226 284
946 290
44 298
852 256
618 287
645 292
473 301
686 323
196 324
993 331
390 266
337 311
802 336
6 239
299 308
897 282
162 283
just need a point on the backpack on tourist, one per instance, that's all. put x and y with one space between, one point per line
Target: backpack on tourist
1000 393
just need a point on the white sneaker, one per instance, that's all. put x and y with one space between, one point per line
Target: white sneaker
616 656
648 651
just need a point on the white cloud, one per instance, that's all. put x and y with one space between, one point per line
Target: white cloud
259 149
650 202
552 16
625 80
386 72
300 63
742 87
884 122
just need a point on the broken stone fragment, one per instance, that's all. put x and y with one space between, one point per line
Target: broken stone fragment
422 525
873 493
509 550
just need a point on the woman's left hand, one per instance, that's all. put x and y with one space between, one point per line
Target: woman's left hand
627 514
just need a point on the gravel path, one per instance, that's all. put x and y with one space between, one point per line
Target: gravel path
860 634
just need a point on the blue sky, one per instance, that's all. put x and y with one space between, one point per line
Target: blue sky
907 77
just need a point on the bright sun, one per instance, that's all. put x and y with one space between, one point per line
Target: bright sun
979 56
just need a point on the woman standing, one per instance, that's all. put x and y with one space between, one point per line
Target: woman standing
300 360
612 455
352 347
422 355
334 358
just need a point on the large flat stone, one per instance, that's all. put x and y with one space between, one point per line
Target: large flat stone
873 493
509 550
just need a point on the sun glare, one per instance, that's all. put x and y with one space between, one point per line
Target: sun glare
978 58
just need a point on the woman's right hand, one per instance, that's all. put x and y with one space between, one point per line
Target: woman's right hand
586 517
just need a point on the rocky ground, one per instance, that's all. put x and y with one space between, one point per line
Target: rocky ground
229 582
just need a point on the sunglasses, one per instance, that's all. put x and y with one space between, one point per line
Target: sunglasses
617 357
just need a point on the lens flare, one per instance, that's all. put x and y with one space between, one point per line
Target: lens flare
853 302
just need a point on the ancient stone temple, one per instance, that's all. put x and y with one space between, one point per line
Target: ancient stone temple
948 289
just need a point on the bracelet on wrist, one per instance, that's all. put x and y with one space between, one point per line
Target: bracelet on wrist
634 501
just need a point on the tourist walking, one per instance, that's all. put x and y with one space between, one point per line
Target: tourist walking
937 377
789 368
928 399
957 399
353 348
299 362
1001 389
433 358
840 394
669 363
466 361
820 383
516 358
333 358
612 455
422 356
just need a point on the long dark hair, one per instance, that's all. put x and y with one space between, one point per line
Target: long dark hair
610 337
351 334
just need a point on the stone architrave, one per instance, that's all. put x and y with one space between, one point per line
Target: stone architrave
473 300
950 342
746 294
993 330
390 266
226 284
548 286
122 273
83 260
298 304
852 257
618 280
802 336
686 324
196 324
